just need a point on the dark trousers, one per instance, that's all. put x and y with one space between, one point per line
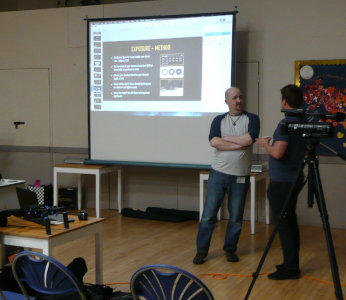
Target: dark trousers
288 228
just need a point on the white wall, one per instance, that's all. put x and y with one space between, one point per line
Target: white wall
275 33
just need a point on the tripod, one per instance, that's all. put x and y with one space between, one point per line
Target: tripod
314 188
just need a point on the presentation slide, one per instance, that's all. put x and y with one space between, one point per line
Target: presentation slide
150 76
158 70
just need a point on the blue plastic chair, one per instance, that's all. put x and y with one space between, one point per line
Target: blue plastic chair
157 282
6 295
45 275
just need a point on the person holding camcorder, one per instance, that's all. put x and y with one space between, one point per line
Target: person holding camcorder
286 155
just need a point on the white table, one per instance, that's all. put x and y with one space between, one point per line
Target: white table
79 169
204 176
23 233
8 195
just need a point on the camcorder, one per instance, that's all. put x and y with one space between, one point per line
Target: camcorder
309 129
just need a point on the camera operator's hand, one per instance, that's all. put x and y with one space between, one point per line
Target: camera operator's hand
277 150
263 141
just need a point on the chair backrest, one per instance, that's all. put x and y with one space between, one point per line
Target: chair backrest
45 275
6 295
156 282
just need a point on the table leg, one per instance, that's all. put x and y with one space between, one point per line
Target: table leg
79 192
47 249
99 257
98 191
55 187
201 196
119 190
252 203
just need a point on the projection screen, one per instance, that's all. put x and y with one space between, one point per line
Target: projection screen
154 86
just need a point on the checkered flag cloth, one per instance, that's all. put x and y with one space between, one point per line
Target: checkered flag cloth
39 190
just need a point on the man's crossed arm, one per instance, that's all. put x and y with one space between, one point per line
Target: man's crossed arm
229 143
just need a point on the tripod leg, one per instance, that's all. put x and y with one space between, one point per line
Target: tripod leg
325 220
311 186
282 215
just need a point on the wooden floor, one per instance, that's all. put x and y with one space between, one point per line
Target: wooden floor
131 243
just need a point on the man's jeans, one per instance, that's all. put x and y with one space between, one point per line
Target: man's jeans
218 184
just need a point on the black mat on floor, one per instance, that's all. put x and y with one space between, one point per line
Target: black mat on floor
161 214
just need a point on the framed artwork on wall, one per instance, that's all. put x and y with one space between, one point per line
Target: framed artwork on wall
323 83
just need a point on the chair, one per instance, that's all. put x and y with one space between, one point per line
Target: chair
45 275
157 282
5 295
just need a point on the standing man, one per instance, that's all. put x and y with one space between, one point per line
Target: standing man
286 155
232 135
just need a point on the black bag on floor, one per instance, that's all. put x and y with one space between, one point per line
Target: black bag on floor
161 214
104 292
9 283
7 280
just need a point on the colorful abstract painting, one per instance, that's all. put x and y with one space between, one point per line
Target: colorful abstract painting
323 83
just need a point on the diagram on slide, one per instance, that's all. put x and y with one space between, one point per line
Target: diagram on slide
172 75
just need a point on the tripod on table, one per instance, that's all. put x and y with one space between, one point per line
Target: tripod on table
314 188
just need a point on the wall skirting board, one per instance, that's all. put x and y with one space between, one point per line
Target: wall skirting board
43 149
258 158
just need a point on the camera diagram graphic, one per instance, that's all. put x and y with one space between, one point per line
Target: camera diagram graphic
172 74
